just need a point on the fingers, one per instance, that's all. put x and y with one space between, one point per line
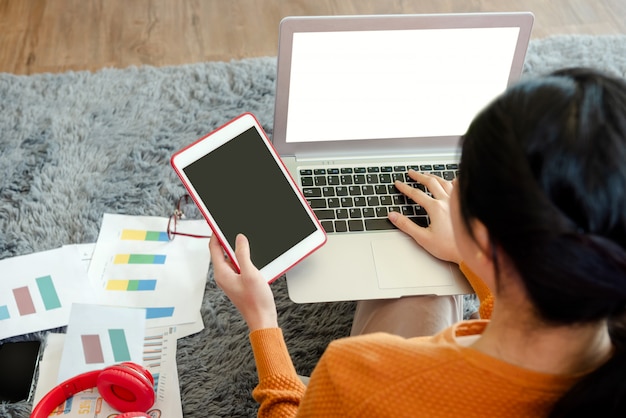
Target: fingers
215 249
242 252
437 186
414 194
220 262
409 227
440 190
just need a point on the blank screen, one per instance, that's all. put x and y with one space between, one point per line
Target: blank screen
358 85
246 192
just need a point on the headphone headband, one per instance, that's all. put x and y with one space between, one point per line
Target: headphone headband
131 379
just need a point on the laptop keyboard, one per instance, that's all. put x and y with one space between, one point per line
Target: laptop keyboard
358 198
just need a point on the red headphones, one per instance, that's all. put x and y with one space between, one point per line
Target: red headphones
126 387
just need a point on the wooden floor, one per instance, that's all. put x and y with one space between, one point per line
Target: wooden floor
59 35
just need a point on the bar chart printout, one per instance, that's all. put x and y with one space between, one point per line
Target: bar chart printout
139 259
159 312
37 291
134 264
99 336
23 296
119 345
4 312
141 235
159 354
131 285
92 347
24 301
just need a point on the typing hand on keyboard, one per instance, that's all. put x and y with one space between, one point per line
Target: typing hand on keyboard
438 238
352 199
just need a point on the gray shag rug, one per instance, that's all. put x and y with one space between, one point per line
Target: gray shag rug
76 145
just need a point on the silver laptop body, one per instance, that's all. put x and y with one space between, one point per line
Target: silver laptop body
385 92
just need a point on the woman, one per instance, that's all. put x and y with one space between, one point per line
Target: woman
538 220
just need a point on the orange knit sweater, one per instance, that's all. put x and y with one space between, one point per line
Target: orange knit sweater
381 375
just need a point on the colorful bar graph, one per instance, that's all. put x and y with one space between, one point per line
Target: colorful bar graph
139 259
139 235
24 301
152 351
131 285
4 312
48 293
153 313
119 345
155 376
92 349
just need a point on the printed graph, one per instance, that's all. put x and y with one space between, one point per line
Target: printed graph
139 259
92 346
161 312
119 345
92 349
140 235
4 312
157 354
44 289
131 285
24 301
152 351
135 264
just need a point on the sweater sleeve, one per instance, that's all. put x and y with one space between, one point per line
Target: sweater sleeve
484 294
280 390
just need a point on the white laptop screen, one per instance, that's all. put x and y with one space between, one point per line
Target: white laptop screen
388 85
394 84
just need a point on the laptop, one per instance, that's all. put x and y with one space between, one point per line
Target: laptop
359 101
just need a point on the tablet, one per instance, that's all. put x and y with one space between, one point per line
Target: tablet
240 185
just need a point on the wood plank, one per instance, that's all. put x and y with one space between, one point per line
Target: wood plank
59 35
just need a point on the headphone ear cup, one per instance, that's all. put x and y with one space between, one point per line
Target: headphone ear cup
127 387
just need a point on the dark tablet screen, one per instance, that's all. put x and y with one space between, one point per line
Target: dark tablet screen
246 192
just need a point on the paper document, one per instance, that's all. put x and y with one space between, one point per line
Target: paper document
159 358
100 336
135 264
37 291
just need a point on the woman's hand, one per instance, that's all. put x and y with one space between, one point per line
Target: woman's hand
438 238
248 290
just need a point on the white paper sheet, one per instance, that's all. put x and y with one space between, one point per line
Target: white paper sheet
99 336
37 291
89 403
84 252
134 264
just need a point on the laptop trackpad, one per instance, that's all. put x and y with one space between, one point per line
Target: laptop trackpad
402 263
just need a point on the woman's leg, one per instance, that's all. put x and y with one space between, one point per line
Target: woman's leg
410 316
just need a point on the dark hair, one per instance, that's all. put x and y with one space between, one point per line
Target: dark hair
543 167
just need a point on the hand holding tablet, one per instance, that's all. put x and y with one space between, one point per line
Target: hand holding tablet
240 185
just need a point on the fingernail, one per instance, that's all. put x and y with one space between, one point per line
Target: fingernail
392 216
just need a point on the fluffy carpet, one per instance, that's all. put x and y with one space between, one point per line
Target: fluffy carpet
76 145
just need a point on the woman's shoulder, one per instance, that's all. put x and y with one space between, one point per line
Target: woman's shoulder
448 337
365 367
381 350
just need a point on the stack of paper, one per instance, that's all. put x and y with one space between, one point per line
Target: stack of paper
126 298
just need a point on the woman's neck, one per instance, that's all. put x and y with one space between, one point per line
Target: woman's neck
516 336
